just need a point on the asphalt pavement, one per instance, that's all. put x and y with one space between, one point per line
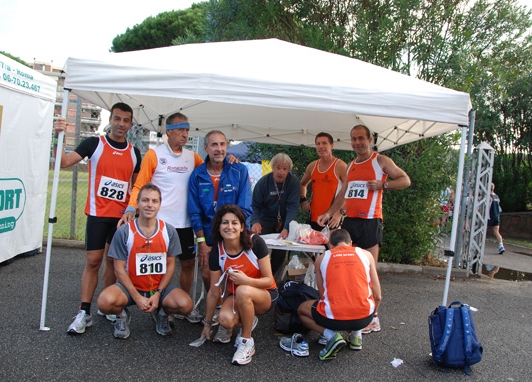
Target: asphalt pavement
410 294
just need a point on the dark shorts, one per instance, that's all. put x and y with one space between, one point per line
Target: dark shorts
365 233
99 231
493 223
186 238
146 294
315 226
339 324
274 295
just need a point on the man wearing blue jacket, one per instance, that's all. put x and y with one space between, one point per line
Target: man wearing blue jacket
212 184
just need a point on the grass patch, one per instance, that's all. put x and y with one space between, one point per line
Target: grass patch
64 210
519 243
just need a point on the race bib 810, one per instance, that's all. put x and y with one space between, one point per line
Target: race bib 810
151 264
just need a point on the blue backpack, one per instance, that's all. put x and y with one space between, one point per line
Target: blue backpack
453 337
285 318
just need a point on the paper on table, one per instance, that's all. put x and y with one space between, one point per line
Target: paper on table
280 242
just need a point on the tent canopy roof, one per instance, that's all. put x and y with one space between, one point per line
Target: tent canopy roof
268 91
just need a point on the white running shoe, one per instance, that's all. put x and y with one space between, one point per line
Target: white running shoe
162 324
297 345
239 335
244 352
374 326
122 325
223 335
81 321
109 317
193 317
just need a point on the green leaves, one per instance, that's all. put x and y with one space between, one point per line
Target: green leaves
162 30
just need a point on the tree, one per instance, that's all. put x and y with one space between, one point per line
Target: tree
454 43
482 47
15 58
161 30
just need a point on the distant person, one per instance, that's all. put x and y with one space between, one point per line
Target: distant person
350 293
326 176
241 273
275 205
113 167
446 205
492 270
367 179
494 220
144 251
169 167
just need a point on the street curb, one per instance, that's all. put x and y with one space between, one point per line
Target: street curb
381 267
65 243
425 270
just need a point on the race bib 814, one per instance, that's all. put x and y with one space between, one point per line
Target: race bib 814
357 189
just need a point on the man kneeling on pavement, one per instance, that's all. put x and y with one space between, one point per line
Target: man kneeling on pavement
144 253
350 293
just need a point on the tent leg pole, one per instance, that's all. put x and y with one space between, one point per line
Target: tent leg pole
51 217
457 198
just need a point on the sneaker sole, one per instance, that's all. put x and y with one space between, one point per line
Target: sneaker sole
355 347
334 351
243 362
164 334
372 330
74 331
295 352
193 320
128 322
108 317
221 341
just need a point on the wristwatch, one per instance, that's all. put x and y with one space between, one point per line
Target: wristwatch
385 186
161 291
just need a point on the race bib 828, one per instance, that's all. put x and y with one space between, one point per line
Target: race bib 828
113 189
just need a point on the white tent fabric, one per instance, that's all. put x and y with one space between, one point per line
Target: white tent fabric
27 100
268 91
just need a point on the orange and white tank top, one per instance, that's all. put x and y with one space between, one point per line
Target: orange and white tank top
146 257
325 186
110 172
246 262
361 202
347 293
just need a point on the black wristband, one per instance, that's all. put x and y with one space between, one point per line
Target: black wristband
302 199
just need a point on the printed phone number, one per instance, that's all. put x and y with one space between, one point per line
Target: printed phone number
22 83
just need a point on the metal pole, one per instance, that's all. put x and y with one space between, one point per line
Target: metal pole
51 217
457 196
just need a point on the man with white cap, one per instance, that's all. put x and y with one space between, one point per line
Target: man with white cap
169 166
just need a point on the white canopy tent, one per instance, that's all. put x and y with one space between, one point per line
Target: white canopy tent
27 100
268 91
